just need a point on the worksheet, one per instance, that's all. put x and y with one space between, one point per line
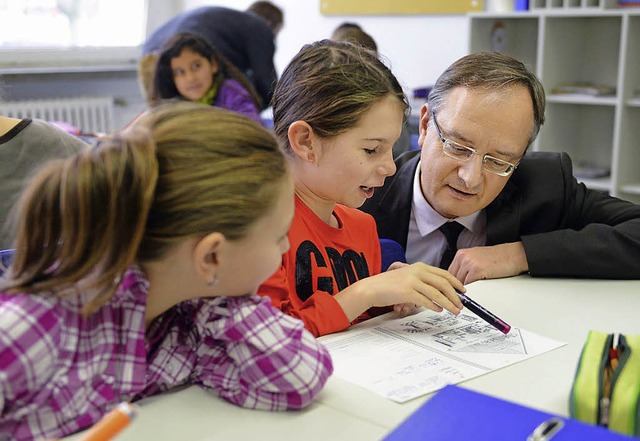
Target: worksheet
402 359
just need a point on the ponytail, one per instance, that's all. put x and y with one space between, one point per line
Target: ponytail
181 170
83 218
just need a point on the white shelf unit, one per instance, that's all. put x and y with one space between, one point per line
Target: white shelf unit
569 41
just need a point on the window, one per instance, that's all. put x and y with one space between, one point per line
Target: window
75 35
72 23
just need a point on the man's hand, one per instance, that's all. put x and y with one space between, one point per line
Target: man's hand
504 260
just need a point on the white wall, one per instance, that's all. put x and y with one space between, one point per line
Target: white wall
418 47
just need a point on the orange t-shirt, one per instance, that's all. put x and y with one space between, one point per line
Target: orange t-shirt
322 261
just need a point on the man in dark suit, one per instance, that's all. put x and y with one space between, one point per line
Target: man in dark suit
245 38
518 213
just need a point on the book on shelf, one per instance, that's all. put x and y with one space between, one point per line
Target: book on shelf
583 89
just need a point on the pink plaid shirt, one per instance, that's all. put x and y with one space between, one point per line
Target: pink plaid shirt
61 372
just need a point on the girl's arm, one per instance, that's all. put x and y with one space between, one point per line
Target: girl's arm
255 356
235 97
29 347
320 313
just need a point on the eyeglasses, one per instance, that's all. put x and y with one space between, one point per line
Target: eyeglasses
463 153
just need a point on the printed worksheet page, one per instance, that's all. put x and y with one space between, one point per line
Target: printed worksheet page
405 358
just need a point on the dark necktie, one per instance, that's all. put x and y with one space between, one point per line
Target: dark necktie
451 231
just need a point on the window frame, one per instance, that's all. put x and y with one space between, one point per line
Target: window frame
85 58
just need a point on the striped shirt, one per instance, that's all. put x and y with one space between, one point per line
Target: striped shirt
61 372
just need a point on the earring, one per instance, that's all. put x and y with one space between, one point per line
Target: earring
215 281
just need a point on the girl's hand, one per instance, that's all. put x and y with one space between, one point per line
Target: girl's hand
405 309
417 284
396 265
402 309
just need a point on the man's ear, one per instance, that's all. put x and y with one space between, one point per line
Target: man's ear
206 256
424 122
301 139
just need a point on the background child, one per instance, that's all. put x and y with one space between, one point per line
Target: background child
136 269
190 68
337 111
244 37
352 32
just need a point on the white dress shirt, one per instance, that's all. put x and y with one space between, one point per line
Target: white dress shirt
425 243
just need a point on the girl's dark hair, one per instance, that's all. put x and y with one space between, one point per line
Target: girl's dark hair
355 34
181 170
330 85
272 14
164 87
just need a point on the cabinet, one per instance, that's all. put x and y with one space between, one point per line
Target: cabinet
575 42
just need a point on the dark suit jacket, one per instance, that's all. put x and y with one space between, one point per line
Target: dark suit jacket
566 228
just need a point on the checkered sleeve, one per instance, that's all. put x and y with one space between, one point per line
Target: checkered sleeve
29 341
255 356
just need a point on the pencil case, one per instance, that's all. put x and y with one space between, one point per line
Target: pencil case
606 388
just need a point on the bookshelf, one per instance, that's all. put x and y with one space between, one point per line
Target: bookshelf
578 42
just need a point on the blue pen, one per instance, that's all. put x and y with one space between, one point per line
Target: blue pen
484 314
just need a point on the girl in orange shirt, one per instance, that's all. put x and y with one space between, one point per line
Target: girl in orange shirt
337 111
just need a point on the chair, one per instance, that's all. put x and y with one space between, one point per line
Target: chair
6 256
146 72
392 251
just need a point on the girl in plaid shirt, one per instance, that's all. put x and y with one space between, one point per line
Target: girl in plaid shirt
136 270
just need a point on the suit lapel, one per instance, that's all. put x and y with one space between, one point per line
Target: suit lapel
399 194
394 206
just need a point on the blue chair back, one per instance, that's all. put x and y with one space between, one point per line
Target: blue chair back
6 256
392 251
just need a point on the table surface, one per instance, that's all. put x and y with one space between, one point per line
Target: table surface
562 309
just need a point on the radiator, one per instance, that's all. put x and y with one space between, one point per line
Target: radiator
92 115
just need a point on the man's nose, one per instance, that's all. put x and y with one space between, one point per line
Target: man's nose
471 171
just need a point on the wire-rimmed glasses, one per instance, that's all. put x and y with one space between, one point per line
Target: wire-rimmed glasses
460 152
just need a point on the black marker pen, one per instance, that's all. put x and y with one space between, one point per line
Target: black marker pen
484 314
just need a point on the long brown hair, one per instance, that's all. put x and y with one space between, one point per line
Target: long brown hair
181 170
164 86
330 85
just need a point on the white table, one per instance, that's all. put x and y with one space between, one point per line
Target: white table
562 309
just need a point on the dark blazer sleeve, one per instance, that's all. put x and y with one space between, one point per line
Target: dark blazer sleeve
260 50
567 229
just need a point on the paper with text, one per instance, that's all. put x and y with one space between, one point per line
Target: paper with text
402 359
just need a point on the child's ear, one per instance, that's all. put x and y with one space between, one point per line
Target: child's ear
302 138
206 256
215 66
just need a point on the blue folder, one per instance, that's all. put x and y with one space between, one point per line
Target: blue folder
456 413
